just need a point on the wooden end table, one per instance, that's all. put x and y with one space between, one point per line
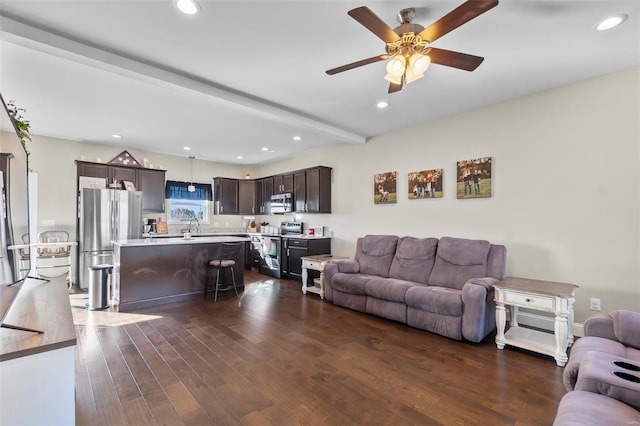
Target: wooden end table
317 263
546 296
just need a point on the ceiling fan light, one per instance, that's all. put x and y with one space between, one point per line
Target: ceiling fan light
395 79
419 63
412 76
396 65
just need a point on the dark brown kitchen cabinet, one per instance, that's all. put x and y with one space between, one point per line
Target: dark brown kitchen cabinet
318 190
225 195
259 196
267 191
149 181
118 174
283 183
293 249
246 197
299 190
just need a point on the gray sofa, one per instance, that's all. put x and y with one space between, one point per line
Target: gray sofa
444 286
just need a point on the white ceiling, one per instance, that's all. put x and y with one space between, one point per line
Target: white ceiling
243 75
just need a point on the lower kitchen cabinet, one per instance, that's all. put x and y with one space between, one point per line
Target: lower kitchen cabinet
293 249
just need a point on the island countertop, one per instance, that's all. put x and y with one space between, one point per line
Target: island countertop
156 242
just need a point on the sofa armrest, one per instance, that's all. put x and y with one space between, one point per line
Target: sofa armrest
600 325
333 267
478 310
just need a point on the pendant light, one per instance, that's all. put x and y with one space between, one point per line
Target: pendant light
191 187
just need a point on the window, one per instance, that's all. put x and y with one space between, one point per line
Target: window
184 205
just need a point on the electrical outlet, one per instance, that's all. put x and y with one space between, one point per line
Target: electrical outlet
595 304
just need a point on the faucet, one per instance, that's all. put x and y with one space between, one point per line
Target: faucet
191 223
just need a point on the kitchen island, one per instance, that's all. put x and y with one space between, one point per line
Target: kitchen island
154 271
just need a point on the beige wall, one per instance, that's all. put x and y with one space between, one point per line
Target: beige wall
565 183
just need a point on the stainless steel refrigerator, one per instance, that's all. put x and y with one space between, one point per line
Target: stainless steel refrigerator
106 215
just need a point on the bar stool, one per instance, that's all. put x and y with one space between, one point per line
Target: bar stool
230 253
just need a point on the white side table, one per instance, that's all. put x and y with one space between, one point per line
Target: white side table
544 296
317 263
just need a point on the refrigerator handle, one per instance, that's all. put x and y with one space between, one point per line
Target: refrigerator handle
112 218
116 228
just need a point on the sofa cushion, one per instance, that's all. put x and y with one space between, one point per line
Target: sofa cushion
414 259
438 300
626 326
350 283
376 254
581 408
387 289
458 260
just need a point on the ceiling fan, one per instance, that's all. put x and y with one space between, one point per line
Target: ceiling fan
409 45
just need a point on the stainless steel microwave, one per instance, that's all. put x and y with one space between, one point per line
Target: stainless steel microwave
282 203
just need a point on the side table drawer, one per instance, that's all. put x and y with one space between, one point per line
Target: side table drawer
312 264
529 300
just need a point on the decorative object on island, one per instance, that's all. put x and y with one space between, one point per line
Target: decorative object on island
474 178
443 286
384 188
425 184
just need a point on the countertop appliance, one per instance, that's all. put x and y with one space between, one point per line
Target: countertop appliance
282 203
106 215
291 228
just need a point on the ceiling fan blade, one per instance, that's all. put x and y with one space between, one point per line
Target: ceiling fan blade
453 59
370 20
458 16
357 64
393 88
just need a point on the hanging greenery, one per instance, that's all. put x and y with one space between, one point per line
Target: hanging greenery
22 125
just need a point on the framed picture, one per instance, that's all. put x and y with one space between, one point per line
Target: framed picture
128 185
384 188
425 184
474 178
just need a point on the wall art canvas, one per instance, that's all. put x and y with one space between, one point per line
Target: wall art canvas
384 188
474 178
425 184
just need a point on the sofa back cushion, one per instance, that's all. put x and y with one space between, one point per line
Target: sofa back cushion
626 326
414 258
458 260
375 253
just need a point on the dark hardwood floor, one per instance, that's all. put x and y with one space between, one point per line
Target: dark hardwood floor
278 357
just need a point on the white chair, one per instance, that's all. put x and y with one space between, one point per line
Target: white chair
54 254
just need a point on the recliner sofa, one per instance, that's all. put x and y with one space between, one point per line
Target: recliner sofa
603 373
443 286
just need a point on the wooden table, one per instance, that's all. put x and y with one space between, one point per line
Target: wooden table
546 296
317 263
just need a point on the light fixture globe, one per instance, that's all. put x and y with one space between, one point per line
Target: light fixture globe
396 65
419 63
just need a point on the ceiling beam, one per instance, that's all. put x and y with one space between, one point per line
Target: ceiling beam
21 32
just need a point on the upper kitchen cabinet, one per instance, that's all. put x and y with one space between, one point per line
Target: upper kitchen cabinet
267 192
259 196
246 196
283 183
149 181
312 190
225 195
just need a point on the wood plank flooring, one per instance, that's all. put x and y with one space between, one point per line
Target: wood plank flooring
279 357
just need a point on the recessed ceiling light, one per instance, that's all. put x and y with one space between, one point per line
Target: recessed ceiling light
382 104
265 149
116 136
239 157
188 7
297 138
611 22
187 148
